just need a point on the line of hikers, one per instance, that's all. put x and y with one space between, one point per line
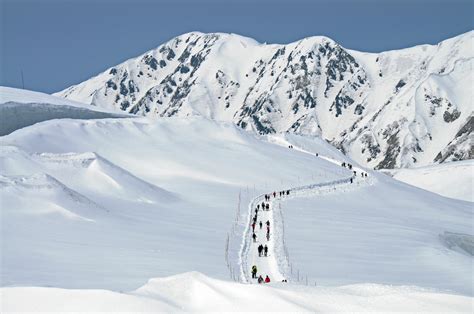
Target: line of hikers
254 223
280 193
349 166
260 278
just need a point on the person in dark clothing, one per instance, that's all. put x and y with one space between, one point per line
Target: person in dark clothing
263 205
351 180
268 236
268 207
265 250
260 249
268 223
253 227
260 279
288 192
274 194
254 236
254 272
260 224
258 206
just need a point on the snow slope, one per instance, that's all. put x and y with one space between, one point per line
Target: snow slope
401 108
167 195
453 179
153 181
194 292
21 108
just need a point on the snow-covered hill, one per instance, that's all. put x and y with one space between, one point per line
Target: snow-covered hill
20 108
164 195
403 108
194 292
452 179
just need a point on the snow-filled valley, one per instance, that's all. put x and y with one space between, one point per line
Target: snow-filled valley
92 210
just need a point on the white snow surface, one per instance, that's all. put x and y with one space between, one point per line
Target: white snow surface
110 203
195 292
21 108
453 179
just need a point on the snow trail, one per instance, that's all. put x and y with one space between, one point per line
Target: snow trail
276 264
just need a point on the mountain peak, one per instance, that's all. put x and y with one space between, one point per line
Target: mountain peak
393 109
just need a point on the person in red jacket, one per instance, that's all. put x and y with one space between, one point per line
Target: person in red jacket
267 279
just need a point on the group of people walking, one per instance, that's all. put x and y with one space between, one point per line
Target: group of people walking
268 197
349 166
259 278
260 224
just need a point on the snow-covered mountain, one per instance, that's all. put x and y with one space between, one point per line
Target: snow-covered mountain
403 108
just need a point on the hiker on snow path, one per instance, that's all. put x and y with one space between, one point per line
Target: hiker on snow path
265 250
288 192
260 224
267 279
268 223
253 227
254 236
260 279
267 206
254 272
260 249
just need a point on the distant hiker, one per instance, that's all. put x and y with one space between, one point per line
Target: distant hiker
351 180
253 227
254 272
263 205
254 236
265 250
258 206
268 229
267 279
260 249
260 279
268 206
317 154
268 236
284 280
268 223
260 224
288 192
274 194
355 173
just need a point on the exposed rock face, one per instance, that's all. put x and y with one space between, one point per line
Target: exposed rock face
393 109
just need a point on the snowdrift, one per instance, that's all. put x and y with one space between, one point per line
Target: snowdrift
194 292
453 179
21 108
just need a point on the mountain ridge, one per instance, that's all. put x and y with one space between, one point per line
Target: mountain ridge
401 108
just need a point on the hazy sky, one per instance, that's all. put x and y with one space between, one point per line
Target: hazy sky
61 43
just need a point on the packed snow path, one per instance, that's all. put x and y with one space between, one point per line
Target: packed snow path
276 264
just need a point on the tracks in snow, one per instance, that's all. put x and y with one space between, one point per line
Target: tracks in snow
276 265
